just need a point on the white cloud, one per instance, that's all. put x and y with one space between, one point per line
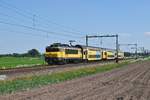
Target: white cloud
147 33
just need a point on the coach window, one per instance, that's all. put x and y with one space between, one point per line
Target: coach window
85 52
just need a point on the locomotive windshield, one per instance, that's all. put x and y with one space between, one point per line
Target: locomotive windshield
49 49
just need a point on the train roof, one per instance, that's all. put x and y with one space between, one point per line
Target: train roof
84 47
59 45
79 46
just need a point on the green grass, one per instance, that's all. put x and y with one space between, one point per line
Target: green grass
37 81
13 62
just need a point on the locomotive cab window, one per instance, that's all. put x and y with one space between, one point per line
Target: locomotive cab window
71 51
52 49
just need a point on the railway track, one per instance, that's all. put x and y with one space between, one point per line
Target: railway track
49 67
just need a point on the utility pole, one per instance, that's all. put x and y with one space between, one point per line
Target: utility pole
117 49
142 49
136 51
101 36
86 47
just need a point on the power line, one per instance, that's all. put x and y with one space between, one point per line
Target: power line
18 32
47 24
31 34
33 20
16 11
20 12
12 17
36 29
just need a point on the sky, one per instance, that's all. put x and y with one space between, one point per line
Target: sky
27 24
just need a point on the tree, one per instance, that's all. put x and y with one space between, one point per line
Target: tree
33 53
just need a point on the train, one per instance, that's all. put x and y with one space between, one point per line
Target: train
58 53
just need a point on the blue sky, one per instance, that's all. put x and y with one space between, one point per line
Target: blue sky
63 20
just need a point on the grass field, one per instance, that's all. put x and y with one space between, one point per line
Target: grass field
13 62
37 81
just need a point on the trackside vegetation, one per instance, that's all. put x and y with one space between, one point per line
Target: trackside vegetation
26 83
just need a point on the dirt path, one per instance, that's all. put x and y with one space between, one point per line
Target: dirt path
127 83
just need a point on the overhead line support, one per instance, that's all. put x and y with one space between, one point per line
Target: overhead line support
136 48
100 36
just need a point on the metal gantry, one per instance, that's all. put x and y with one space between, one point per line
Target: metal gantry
131 45
101 36
142 49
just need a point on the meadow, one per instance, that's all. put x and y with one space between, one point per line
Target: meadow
13 62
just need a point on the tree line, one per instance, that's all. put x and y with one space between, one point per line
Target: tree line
129 54
29 53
